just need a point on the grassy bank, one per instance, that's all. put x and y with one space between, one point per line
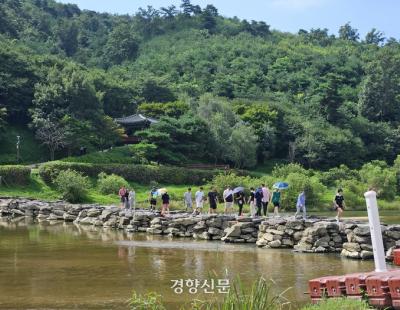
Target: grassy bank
261 295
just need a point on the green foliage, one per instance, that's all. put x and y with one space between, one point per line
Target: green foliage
142 174
117 155
242 147
15 175
282 171
72 185
177 139
338 304
157 110
149 301
261 295
333 176
298 182
30 149
122 44
221 181
379 176
110 184
321 99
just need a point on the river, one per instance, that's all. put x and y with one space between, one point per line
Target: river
64 266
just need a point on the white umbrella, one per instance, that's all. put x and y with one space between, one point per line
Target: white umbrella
238 189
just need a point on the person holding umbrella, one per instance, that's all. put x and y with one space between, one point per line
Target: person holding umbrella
276 196
153 198
240 199
252 202
228 199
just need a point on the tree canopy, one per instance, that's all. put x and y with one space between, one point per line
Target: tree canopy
214 82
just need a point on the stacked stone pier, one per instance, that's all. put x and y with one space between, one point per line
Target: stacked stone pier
350 239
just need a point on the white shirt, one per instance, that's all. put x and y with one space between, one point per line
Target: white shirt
199 196
227 192
187 196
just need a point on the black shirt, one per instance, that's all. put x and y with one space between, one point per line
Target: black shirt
212 198
339 200
252 196
240 198
165 198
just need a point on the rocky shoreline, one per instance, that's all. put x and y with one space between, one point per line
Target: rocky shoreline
315 235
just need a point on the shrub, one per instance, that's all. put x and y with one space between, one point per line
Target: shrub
282 171
377 174
118 155
149 301
298 182
334 176
142 174
72 185
15 174
222 181
110 184
260 296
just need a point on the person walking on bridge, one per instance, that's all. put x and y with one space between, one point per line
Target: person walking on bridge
339 205
301 205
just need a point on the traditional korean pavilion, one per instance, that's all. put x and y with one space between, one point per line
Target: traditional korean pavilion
133 123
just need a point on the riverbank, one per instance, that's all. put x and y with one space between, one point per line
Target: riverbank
315 235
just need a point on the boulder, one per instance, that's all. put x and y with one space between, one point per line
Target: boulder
303 246
233 231
394 234
366 254
69 217
362 230
295 225
297 235
214 222
248 230
362 239
86 221
275 244
268 237
287 242
320 249
350 254
215 231
366 247
154 231
275 232
261 242
352 247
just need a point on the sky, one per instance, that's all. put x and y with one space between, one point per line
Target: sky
283 15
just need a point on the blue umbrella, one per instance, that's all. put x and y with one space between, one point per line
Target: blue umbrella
281 185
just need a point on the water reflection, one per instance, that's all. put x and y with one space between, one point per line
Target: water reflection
60 265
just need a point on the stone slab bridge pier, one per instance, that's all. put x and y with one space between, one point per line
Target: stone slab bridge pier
315 235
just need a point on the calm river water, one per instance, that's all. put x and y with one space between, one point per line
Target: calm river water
64 266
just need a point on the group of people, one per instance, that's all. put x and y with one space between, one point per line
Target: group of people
127 197
259 199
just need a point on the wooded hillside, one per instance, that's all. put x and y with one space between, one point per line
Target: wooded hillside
226 90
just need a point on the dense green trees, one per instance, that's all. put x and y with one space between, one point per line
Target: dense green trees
214 82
